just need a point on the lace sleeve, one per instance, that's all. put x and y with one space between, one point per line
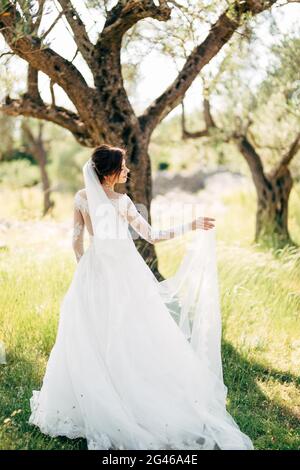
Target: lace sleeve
78 231
144 229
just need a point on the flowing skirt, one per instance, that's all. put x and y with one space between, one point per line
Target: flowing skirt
122 374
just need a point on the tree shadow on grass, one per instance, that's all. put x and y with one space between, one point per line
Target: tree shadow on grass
17 380
267 422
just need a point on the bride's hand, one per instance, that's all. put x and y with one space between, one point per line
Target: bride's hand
205 223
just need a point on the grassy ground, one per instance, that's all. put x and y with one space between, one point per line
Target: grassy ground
260 295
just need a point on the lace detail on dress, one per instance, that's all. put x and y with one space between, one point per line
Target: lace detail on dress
54 425
81 203
130 215
78 225
57 423
146 231
81 217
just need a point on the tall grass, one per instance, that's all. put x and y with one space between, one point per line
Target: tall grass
260 300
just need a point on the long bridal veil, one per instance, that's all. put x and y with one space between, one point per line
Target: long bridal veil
137 362
191 294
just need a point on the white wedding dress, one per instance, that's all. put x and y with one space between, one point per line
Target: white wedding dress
129 370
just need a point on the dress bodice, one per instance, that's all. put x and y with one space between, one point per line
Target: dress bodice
81 203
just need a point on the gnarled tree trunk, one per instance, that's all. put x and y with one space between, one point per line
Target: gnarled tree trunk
36 146
272 209
273 191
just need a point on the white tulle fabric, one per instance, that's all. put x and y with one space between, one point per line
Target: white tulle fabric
137 362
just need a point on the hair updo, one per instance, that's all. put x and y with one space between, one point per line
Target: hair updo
107 160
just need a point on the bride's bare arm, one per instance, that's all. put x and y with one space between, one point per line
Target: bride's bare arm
144 229
78 230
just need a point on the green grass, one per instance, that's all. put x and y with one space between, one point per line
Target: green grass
260 299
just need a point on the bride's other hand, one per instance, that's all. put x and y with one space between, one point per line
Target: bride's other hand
205 223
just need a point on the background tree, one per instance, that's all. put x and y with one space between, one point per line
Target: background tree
36 145
263 121
7 126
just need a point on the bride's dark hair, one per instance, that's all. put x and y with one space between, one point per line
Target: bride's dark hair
107 160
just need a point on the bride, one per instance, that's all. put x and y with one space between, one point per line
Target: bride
136 363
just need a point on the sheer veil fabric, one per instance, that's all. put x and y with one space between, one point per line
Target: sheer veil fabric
137 362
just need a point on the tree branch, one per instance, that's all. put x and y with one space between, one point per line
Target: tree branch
52 93
108 78
208 119
126 13
287 158
78 28
253 159
32 84
30 48
56 114
48 31
219 35
39 15
264 146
